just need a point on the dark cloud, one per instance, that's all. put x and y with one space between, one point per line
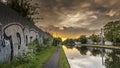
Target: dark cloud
77 16
69 32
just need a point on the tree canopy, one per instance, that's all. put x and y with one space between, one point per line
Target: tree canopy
69 42
82 39
24 7
56 41
112 32
94 38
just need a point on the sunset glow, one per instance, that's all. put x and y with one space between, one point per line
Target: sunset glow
73 18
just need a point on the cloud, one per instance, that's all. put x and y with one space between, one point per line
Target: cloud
77 16
69 32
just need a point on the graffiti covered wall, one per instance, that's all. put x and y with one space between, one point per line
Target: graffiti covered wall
15 34
14 39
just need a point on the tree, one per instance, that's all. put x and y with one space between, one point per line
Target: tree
69 42
95 38
23 7
112 32
83 39
56 41
46 41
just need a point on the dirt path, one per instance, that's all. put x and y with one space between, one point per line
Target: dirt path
54 60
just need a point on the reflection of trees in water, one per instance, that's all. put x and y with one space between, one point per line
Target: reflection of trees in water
113 59
83 50
95 51
69 47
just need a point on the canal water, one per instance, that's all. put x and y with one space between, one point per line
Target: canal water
92 57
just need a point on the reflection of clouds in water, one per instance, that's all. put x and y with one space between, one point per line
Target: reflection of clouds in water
82 61
71 52
87 62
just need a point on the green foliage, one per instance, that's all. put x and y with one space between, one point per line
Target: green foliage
35 46
95 38
26 58
69 42
82 39
23 7
30 60
46 41
112 32
63 63
112 60
36 56
39 45
56 41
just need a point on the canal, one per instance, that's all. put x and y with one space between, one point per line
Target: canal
92 57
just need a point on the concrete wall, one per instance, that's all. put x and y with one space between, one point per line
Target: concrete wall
15 34
14 40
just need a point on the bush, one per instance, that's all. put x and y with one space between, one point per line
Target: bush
26 58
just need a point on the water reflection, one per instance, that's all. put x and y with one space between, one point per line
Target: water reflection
95 52
92 57
83 50
113 59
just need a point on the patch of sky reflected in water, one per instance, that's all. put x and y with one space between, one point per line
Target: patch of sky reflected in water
88 57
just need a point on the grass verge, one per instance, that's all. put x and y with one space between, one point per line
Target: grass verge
102 46
63 63
37 61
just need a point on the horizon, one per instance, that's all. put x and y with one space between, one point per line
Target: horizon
73 18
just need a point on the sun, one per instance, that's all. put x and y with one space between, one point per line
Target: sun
63 39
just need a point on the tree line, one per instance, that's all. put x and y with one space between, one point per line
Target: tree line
111 33
26 8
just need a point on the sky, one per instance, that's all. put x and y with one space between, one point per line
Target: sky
73 18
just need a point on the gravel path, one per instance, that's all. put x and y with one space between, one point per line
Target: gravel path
54 60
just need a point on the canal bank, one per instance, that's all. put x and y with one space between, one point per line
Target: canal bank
63 62
100 46
57 60
33 61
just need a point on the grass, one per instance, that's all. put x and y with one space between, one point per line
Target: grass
98 45
63 63
37 60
